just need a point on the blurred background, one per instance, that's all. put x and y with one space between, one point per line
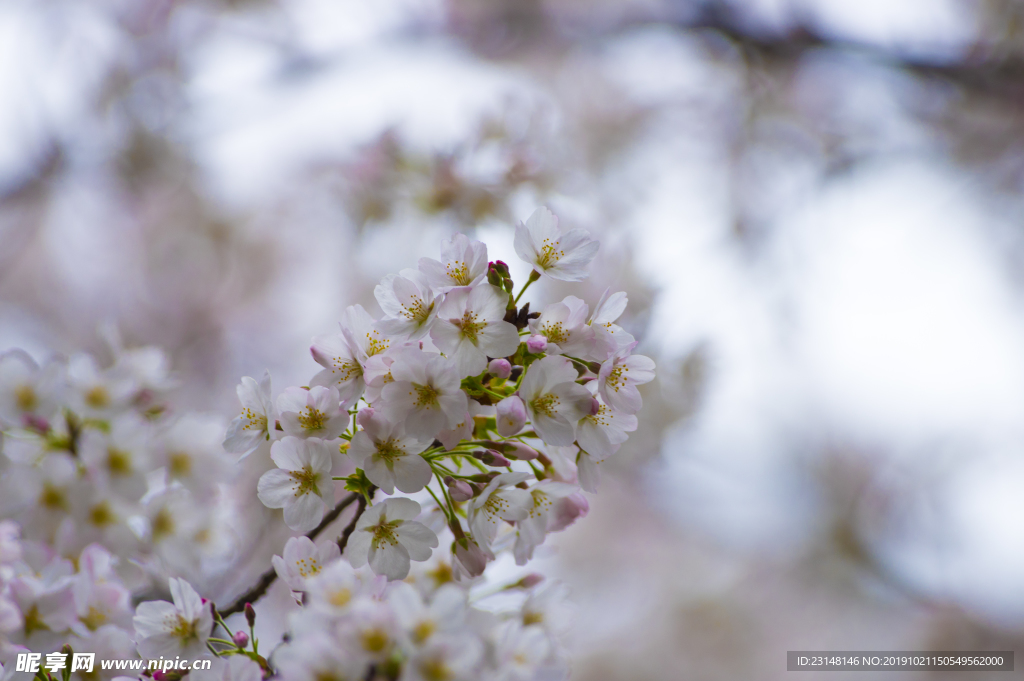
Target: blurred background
814 206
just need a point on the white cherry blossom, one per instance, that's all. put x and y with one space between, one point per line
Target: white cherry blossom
499 501
301 484
463 263
27 392
388 455
554 401
387 537
540 243
619 376
257 419
410 305
425 394
121 458
344 356
531 530
601 434
180 628
471 327
452 657
316 412
303 560
564 325
608 336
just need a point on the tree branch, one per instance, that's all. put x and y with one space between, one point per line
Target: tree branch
268 577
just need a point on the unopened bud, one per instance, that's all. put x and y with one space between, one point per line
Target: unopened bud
250 614
528 582
501 268
595 367
536 344
491 458
66 649
458 490
510 416
500 368
517 450
241 639
493 277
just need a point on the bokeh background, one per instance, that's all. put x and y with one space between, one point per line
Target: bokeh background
814 206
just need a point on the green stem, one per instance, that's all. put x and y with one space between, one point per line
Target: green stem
534 276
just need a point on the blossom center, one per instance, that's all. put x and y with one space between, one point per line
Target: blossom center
426 395
384 533
617 377
601 418
97 397
101 515
470 325
183 629
346 367
546 404
180 464
375 344
253 420
119 462
25 398
416 310
52 497
308 566
555 332
388 450
312 419
550 254
306 481
163 525
434 669
375 640
458 271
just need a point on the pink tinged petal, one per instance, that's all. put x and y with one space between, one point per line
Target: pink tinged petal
523 245
469 360
593 439
445 334
568 510
379 474
412 473
588 474
488 301
626 399
511 416
151 617
276 488
554 431
400 508
462 431
417 538
518 503
498 339
361 448
305 513
389 560
293 399
165 645
358 547
186 599
289 454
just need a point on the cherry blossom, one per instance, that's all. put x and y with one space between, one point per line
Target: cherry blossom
554 401
389 456
253 425
499 501
564 326
303 559
511 416
180 628
316 412
387 537
301 484
425 394
471 327
410 305
620 375
608 336
463 263
540 243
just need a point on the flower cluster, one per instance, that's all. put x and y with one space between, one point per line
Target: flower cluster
499 414
94 455
473 425
47 601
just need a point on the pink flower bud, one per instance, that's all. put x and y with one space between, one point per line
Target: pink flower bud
536 344
595 406
491 458
567 510
511 414
159 675
363 416
250 614
531 580
501 368
459 490
241 639
470 556
517 450
36 423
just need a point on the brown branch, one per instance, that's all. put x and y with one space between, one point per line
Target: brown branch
268 577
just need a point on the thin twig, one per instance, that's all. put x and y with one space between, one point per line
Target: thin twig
350 528
268 577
